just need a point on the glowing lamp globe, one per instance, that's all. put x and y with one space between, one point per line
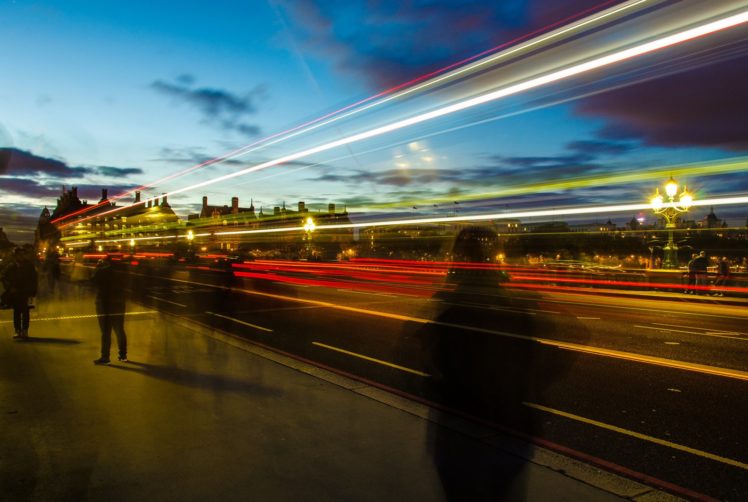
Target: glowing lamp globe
686 199
657 202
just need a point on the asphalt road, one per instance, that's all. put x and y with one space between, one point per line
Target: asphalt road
657 387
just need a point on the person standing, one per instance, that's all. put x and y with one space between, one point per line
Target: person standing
701 266
20 282
110 308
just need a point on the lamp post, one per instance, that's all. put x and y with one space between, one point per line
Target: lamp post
309 227
670 209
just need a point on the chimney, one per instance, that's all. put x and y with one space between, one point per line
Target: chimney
103 194
163 199
137 196
155 202
331 208
205 201
302 208
148 204
234 205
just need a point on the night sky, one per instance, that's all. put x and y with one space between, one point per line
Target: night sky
120 94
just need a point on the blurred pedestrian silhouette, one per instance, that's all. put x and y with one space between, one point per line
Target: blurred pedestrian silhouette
20 283
692 274
485 365
700 265
110 307
723 275
52 269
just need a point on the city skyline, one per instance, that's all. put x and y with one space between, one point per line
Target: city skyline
156 112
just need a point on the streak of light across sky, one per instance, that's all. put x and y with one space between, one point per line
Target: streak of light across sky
400 91
535 213
503 92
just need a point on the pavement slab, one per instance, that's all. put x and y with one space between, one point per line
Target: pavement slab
192 417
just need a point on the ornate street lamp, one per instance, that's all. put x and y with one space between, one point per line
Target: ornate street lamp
670 209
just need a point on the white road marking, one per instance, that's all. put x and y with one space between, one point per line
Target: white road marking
239 321
371 359
167 301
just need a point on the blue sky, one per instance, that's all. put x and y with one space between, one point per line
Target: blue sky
149 88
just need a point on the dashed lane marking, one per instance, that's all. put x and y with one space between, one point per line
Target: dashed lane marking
371 359
638 435
239 321
597 351
643 309
697 333
167 301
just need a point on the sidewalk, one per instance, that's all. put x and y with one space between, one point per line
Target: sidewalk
200 415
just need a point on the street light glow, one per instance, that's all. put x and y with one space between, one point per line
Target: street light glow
657 201
686 199
671 188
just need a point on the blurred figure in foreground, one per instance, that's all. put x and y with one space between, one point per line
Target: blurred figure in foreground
488 366
479 373
20 282
110 307
52 269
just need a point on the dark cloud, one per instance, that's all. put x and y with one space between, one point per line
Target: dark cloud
701 107
27 187
218 107
393 41
599 147
20 162
32 188
117 172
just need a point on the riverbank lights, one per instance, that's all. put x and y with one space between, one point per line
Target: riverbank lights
190 235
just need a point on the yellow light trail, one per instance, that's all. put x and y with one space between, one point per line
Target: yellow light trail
555 76
735 165
450 219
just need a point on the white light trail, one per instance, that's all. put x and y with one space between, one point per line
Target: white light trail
572 211
594 64
355 109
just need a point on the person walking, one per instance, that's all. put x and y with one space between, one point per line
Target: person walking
110 308
52 269
701 265
723 275
691 274
20 282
